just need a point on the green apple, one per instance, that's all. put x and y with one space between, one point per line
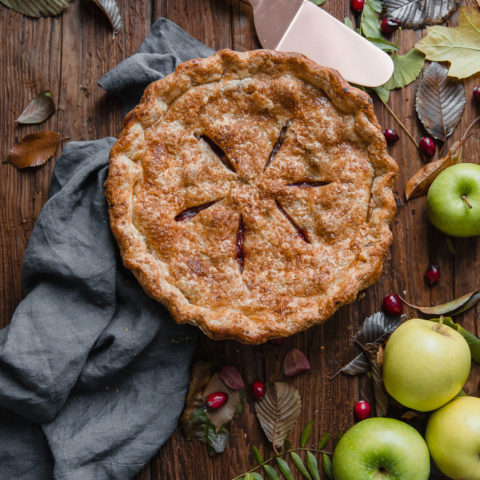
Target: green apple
381 448
454 200
453 437
425 364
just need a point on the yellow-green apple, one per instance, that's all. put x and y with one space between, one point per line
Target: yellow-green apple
453 200
425 364
453 437
381 448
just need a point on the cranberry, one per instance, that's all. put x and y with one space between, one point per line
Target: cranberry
427 147
393 305
216 400
476 94
362 410
432 274
258 389
357 5
391 136
278 342
389 25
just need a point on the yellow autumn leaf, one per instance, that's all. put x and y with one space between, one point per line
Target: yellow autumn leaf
460 45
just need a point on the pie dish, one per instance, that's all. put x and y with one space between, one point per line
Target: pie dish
251 193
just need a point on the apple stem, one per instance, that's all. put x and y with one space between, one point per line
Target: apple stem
464 198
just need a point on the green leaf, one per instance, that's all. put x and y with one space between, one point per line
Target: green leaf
312 465
327 466
323 441
348 23
284 468
460 46
270 472
307 431
369 24
318 2
298 462
287 445
383 44
257 454
383 93
406 68
337 438
252 476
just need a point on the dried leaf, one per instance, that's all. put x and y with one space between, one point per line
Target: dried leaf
34 149
452 308
38 110
224 414
406 69
298 462
231 377
381 397
45 8
440 101
419 184
357 366
278 411
416 14
295 362
460 46
111 10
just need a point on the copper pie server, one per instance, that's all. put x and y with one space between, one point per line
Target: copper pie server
300 26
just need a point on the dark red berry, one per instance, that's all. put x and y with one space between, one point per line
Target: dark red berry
357 5
432 274
258 389
391 136
389 25
427 147
476 94
278 342
362 410
393 305
216 400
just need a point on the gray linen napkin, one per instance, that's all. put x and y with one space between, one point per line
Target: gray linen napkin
93 373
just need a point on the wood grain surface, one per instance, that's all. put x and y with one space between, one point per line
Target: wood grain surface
67 55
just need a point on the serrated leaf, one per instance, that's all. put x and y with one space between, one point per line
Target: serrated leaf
46 8
270 472
440 101
298 462
34 149
472 340
419 184
38 110
257 455
327 466
224 414
381 398
323 441
312 465
416 14
406 69
278 411
460 46
111 10
452 308
284 468
307 431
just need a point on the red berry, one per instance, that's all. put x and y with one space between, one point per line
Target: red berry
427 147
278 342
432 274
393 305
362 410
476 94
258 389
391 136
389 25
216 400
357 5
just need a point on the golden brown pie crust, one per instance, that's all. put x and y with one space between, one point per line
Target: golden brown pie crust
251 193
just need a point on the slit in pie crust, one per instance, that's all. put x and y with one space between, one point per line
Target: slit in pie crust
251 193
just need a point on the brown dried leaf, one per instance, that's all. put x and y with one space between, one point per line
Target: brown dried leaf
34 149
416 14
440 101
381 397
452 308
295 362
111 10
225 413
38 110
199 378
231 377
419 184
278 411
46 8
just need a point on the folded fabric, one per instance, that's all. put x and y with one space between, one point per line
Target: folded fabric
93 373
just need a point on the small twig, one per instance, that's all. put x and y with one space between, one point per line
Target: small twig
464 198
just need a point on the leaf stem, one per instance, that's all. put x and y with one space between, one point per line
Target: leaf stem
282 454
464 198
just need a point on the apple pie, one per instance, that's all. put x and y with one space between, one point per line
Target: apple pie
251 193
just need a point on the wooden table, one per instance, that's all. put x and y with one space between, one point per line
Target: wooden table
67 55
